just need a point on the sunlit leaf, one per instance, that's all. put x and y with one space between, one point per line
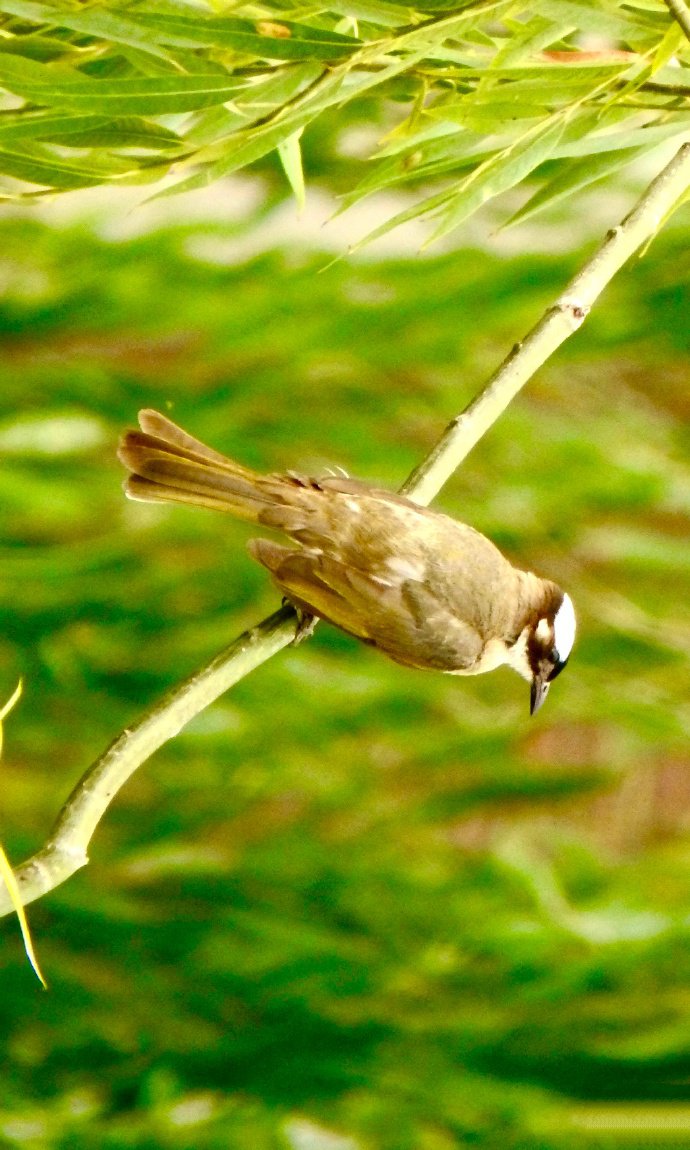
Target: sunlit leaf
6 871
94 21
572 178
136 95
290 155
274 40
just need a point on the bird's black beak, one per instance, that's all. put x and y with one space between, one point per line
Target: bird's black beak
538 692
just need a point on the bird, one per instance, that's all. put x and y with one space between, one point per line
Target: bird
424 589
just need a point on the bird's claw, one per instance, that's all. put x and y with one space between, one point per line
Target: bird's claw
306 624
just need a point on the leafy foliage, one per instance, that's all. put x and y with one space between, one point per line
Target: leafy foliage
490 94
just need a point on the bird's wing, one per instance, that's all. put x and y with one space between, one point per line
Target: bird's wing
402 617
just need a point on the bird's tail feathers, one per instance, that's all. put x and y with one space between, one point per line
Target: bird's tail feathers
167 465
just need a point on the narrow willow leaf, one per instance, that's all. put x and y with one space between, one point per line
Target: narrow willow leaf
591 145
44 125
6 871
524 42
290 155
262 96
456 153
245 147
669 46
276 89
378 12
554 85
504 171
501 172
98 22
571 178
79 131
55 172
41 48
133 95
593 18
265 39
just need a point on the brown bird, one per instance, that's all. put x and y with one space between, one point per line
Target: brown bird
426 590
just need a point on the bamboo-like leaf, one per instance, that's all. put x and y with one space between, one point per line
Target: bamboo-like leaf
626 137
379 13
501 172
134 95
38 166
290 155
669 45
593 18
246 147
571 178
6 871
98 22
265 39
79 131
524 42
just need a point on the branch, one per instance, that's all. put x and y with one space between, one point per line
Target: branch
561 320
65 851
681 14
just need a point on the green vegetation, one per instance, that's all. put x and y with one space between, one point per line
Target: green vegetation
351 901
485 95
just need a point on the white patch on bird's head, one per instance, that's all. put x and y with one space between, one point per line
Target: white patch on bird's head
543 630
564 628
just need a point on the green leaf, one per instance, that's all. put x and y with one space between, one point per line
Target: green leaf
571 178
668 47
377 12
6 871
266 94
499 173
135 95
77 131
524 42
290 155
40 167
265 39
593 18
97 22
245 147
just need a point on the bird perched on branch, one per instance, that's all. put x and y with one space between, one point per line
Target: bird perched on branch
426 590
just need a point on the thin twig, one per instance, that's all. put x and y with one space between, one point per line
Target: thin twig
563 318
681 14
66 848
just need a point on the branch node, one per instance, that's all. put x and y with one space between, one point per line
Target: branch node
574 309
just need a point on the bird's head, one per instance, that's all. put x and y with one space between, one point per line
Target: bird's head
544 644
549 641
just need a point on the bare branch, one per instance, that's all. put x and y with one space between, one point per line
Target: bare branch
561 320
680 13
66 848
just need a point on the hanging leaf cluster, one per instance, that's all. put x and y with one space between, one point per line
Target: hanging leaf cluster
476 98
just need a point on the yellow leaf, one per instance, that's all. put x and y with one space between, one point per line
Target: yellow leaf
6 870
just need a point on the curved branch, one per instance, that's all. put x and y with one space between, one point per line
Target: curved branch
66 848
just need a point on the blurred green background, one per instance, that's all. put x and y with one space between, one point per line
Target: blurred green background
352 906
